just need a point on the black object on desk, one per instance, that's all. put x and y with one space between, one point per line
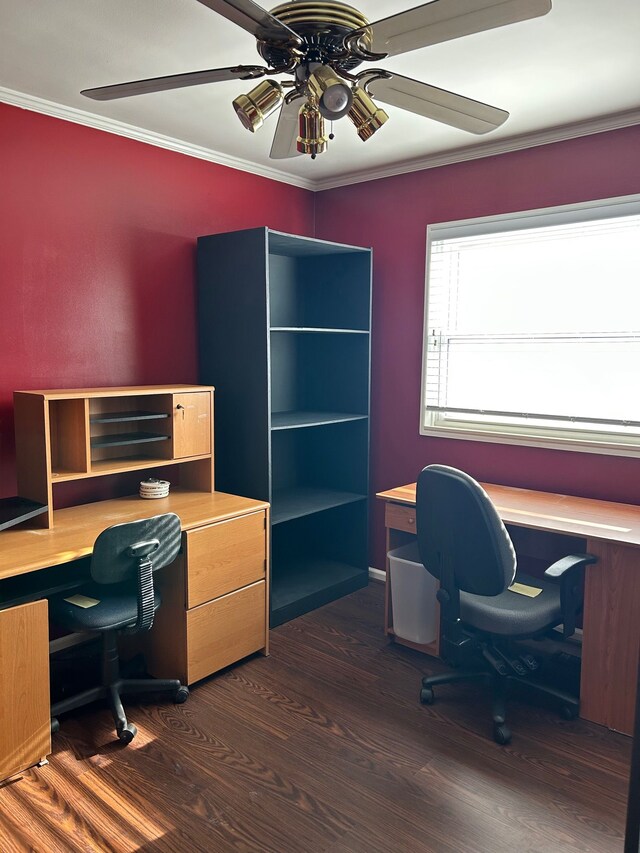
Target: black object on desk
15 510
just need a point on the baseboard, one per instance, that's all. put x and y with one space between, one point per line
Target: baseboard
377 575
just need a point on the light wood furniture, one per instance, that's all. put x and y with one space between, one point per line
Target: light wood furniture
25 723
214 610
215 598
611 628
64 435
215 595
400 526
284 334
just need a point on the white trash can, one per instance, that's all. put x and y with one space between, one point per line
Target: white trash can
413 596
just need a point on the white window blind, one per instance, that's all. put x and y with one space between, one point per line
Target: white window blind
532 327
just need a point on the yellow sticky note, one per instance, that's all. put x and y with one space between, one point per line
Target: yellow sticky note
83 601
523 589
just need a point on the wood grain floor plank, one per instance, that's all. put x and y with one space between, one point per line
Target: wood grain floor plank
440 730
268 771
248 800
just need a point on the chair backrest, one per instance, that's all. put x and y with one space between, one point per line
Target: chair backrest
458 526
113 561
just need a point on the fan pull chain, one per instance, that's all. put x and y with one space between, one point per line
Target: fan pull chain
331 135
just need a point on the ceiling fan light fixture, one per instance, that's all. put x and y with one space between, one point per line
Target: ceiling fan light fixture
252 109
321 43
312 138
365 115
333 94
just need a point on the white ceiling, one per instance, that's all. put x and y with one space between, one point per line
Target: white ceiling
573 71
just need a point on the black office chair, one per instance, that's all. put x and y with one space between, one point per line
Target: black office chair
464 544
122 565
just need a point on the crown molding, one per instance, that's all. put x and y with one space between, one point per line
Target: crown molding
615 121
50 108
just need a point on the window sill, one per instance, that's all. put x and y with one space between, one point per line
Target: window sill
580 445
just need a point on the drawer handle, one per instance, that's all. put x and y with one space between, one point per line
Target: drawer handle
411 519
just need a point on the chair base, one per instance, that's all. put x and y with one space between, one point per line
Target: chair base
569 704
112 689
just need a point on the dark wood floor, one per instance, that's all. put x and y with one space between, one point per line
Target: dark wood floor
324 748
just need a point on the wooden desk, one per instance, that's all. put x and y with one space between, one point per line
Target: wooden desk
611 623
215 601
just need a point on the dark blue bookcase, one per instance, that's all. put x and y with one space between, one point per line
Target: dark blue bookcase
284 336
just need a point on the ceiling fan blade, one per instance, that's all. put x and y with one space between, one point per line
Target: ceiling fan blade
442 20
286 135
255 20
437 104
173 81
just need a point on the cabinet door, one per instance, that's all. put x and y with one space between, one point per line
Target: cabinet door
25 724
191 424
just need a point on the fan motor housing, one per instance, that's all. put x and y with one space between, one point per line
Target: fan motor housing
322 26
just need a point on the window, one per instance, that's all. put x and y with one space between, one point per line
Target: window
532 328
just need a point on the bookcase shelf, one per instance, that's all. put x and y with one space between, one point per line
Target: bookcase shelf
297 502
307 584
301 419
317 558
317 330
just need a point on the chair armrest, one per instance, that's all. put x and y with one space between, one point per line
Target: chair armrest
565 564
569 572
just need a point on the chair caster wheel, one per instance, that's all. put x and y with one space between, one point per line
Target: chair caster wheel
127 733
181 695
568 713
55 725
501 734
426 696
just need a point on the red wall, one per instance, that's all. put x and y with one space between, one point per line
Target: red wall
97 248
97 238
391 215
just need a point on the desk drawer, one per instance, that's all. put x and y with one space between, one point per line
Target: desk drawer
225 556
400 517
226 630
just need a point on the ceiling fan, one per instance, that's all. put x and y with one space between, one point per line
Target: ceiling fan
319 44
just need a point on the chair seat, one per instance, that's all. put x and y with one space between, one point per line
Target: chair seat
118 608
511 613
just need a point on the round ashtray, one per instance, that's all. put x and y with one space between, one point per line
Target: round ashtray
153 488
